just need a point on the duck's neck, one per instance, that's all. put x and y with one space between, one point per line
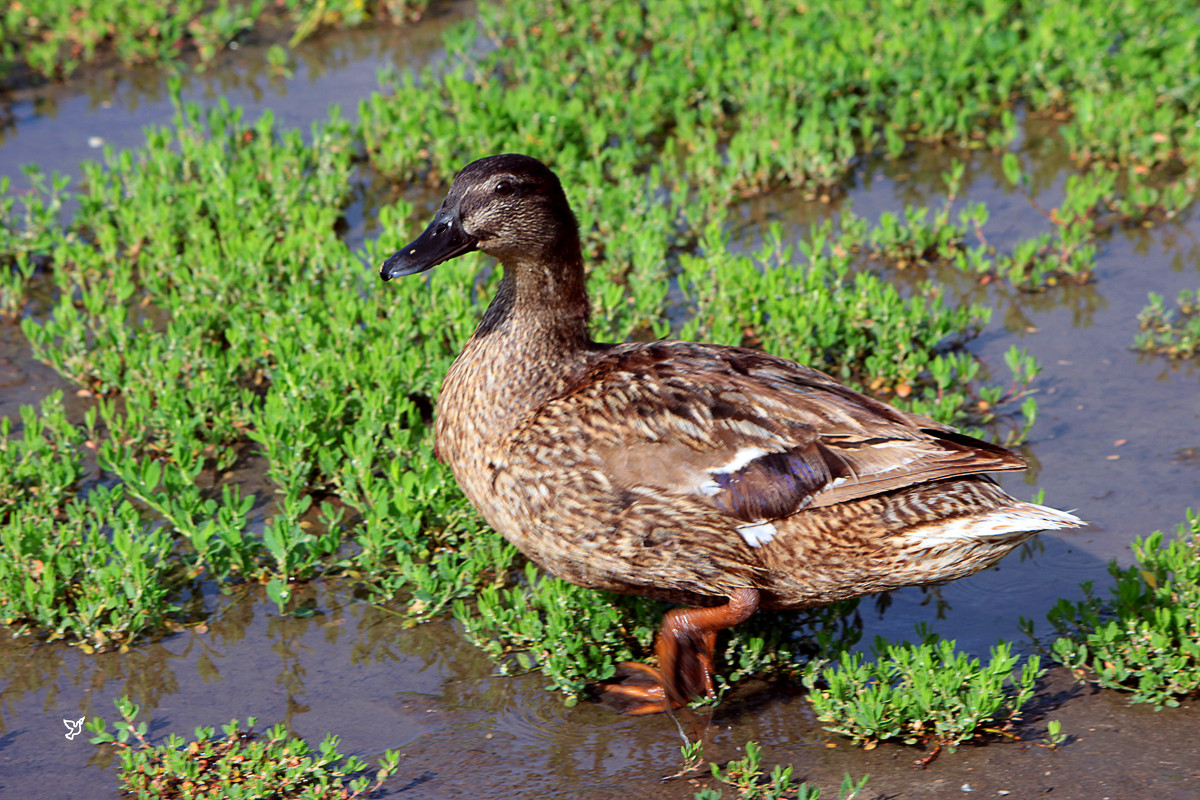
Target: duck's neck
540 303
532 342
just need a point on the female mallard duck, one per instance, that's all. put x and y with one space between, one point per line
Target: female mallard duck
716 477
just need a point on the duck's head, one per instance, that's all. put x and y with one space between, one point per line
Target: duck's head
509 206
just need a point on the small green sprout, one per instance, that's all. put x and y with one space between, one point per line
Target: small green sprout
693 756
746 777
1055 737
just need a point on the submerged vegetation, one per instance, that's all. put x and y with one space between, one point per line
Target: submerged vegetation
203 302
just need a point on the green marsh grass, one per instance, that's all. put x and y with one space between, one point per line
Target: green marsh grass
81 567
54 39
204 301
203 298
1175 334
927 693
28 227
239 765
1145 638
844 81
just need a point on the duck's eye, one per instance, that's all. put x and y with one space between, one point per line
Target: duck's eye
503 188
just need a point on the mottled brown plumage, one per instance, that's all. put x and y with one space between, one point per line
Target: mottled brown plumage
716 477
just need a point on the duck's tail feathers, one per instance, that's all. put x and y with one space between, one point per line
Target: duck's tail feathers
1019 521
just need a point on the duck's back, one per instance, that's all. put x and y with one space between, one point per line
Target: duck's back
688 471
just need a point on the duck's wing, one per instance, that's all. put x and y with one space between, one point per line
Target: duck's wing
758 437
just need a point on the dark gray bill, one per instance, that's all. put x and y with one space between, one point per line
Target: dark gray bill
442 240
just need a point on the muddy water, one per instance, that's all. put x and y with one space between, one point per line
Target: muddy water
1115 439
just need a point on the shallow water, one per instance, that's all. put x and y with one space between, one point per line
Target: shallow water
1116 439
57 126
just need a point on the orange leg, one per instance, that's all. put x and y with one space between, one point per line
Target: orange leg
685 647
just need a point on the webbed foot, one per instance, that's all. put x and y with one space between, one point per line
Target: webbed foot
641 691
685 653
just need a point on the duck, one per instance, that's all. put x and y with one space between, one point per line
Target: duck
721 479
